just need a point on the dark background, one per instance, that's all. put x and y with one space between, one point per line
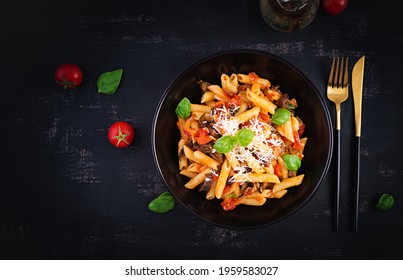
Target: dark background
66 193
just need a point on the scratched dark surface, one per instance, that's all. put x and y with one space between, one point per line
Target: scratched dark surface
66 193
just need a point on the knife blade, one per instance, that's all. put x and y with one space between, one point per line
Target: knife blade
357 81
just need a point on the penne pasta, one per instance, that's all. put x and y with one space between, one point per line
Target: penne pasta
197 180
230 148
222 179
261 101
288 183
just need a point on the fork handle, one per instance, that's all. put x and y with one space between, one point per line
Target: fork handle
337 189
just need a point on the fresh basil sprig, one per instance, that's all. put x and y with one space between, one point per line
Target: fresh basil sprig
281 116
292 162
108 82
183 108
244 137
385 202
163 203
226 143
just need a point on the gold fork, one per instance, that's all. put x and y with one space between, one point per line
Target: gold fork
337 91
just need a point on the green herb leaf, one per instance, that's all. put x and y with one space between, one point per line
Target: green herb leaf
292 162
183 108
225 144
163 203
385 202
108 82
281 116
244 136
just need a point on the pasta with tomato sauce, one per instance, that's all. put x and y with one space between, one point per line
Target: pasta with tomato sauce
243 144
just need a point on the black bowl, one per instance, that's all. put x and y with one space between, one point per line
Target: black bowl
311 109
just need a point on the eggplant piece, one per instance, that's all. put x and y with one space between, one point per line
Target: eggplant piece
287 103
203 85
205 187
205 120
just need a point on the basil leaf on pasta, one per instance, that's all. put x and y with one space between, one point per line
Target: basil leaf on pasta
281 116
225 144
183 108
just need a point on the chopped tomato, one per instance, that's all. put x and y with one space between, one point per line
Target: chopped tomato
229 203
253 77
227 94
202 136
263 117
236 100
297 141
301 129
277 170
248 191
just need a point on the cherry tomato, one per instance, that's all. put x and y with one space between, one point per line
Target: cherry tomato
121 134
334 7
68 75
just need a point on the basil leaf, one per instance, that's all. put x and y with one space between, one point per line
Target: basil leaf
183 108
292 162
281 116
385 202
244 137
108 82
225 144
163 203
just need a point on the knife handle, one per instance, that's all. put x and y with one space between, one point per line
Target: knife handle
357 182
337 188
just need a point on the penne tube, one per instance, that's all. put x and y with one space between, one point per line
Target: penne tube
247 115
288 183
266 178
261 101
189 154
219 93
211 193
197 180
200 108
204 159
229 84
188 173
183 162
252 200
207 96
195 167
278 194
222 179
286 131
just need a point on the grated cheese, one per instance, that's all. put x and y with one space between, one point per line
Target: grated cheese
258 154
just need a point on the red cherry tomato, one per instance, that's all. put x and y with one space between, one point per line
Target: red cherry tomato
121 134
68 75
334 7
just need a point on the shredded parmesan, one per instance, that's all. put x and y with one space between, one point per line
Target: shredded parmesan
258 154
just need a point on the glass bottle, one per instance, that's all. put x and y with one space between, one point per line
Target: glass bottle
289 15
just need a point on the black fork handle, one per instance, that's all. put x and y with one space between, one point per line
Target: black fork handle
337 188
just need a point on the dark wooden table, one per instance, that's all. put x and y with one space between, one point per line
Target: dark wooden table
66 193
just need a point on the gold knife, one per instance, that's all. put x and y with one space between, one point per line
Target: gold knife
357 80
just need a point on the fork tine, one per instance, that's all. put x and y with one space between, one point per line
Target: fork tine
341 76
345 82
331 75
336 75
